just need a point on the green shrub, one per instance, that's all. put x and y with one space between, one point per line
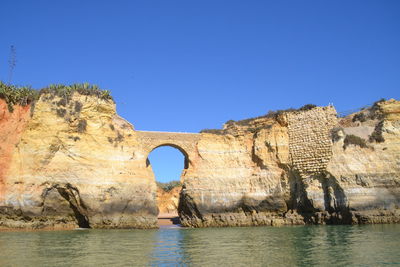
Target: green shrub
359 117
335 134
14 95
62 102
66 91
112 127
376 103
81 126
23 96
376 135
169 185
307 107
375 110
61 112
354 140
78 106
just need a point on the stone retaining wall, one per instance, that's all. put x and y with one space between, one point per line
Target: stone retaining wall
310 142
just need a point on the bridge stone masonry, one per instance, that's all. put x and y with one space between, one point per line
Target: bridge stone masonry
184 142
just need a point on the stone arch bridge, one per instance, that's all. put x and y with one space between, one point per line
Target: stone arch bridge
184 142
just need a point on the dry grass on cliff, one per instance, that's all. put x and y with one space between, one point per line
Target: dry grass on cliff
25 95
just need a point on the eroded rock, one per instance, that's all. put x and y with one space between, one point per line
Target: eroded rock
76 163
289 169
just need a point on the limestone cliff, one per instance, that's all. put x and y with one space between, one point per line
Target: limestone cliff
72 163
167 201
68 160
297 167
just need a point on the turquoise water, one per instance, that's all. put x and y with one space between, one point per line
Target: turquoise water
370 245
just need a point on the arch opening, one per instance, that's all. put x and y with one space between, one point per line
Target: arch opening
184 153
168 163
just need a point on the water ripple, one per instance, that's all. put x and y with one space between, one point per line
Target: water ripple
372 245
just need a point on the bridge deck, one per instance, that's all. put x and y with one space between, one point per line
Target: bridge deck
185 142
173 136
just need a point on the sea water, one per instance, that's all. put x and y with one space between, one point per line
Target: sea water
366 245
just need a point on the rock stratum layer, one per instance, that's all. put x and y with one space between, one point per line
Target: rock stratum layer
76 163
168 201
298 167
72 164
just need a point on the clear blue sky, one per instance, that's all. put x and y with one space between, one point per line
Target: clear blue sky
189 65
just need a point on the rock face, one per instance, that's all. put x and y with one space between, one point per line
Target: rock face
167 201
72 164
298 167
76 163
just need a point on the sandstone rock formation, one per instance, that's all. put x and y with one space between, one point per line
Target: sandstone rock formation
297 167
74 162
167 201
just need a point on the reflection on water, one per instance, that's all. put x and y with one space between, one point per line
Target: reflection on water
370 245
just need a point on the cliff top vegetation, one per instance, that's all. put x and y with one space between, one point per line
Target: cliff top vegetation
247 122
272 114
168 186
25 95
